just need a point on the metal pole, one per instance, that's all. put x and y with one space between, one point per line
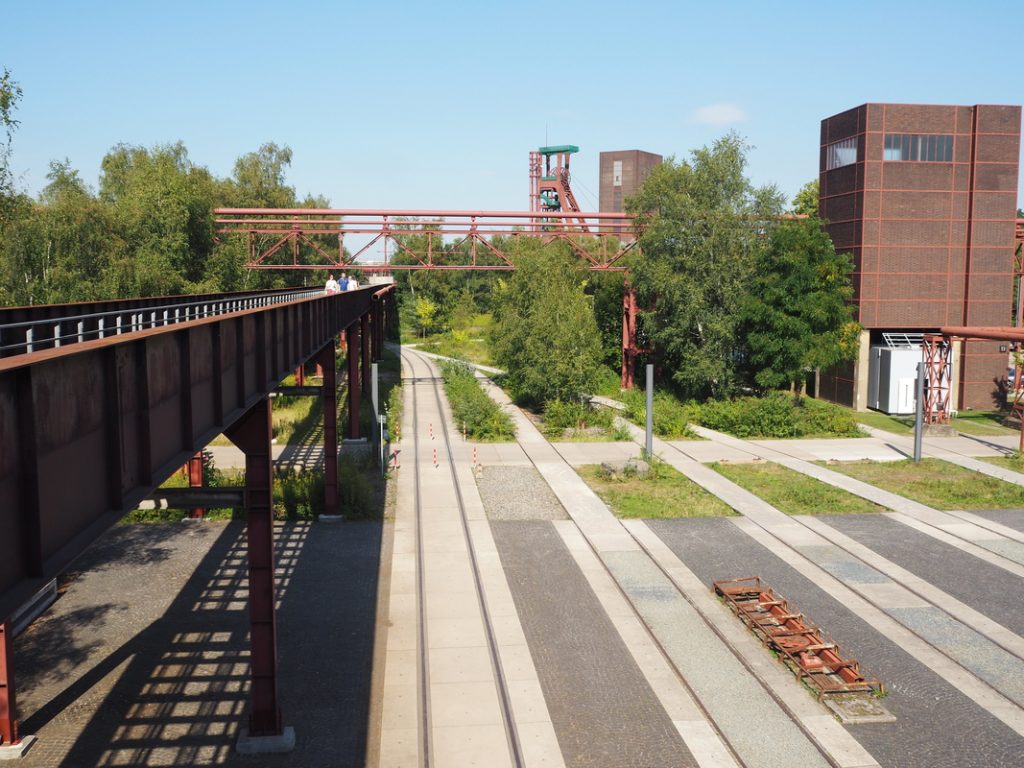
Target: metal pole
373 389
919 415
649 444
8 704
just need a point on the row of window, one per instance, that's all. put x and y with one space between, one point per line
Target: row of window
908 146
898 146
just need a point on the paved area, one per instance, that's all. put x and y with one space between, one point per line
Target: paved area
520 623
144 659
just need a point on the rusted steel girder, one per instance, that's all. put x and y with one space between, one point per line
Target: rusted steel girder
352 352
8 703
597 238
325 358
89 430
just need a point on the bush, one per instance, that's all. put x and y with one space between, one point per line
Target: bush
482 417
560 416
777 414
671 416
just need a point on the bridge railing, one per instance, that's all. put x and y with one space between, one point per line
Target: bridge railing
53 326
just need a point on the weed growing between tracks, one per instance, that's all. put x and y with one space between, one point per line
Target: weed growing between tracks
482 418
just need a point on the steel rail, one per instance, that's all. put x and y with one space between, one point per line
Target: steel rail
504 696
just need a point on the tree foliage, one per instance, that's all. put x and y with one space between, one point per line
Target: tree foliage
702 222
544 332
797 314
806 200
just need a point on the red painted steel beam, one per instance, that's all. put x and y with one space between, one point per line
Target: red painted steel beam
195 480
983 333
352 351
252 434
8 699
364 336
113 418
327 361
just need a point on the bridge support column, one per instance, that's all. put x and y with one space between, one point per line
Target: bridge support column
195 480
8 704
352 344
252 434
300 376
628 336
325 358
364 335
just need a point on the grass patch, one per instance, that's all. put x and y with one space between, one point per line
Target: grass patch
1013 462
482 418
977 423
937 483
665 493
794 493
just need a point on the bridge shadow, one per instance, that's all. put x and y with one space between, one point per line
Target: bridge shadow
181 685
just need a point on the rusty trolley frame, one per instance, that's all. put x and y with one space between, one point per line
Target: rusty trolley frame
814 659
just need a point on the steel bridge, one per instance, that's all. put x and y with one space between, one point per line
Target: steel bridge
101 402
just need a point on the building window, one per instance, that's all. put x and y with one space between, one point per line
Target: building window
840 153
910 146
616 173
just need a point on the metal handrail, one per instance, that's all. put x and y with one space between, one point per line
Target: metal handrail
139 319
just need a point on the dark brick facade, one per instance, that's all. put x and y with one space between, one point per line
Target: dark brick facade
636 167
933 240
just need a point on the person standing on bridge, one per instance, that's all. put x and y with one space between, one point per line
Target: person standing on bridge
343 283
352 283
332 286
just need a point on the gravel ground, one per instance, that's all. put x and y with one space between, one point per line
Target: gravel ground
518 493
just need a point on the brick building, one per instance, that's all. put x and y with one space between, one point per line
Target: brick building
925 198
621 173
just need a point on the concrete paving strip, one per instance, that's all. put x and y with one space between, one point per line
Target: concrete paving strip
830 736
990 525
785 537
1011 550
982 624
694 728
465 685
962 543
761 733
898 600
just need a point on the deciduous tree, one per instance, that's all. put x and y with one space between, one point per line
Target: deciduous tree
702 222
544 333
798 313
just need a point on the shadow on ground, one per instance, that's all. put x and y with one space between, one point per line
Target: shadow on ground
176 691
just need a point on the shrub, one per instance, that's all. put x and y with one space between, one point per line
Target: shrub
560 416
777 414
482 417
671 416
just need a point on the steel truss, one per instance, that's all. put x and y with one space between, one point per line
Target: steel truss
600 240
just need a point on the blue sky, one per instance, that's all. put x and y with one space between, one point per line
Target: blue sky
436 105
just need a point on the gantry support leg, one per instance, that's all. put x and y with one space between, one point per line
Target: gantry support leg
300 376
628 336
8 704
352 344
364 335
195 480
252 434
325 358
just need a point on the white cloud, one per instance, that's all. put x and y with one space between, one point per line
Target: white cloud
719 114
